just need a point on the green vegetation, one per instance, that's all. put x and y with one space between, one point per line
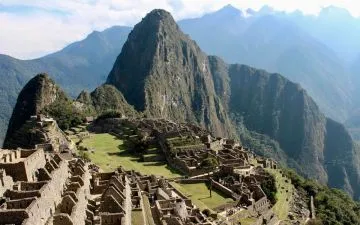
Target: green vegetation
65 114
109 152
84 155
333 206
262 144
107 99
268 185
209 163
199 194
109 114
176 144
283 195
137 217
247 221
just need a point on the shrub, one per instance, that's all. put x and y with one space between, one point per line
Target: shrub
65 114
333 206
84 155
268 185
109 114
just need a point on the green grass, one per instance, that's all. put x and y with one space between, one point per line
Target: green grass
200 196
281 207
137 218
110 153
152 150
247 221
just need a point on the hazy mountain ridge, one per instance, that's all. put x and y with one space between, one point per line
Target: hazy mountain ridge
268 40
81 65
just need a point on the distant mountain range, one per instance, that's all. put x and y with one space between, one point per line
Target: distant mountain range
81 65
164 74
275 42
323 59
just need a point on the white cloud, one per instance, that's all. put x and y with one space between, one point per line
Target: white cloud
48 26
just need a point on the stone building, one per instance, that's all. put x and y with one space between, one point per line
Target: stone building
6 181
22 164
34 202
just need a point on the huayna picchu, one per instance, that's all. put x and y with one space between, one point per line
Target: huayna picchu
176 137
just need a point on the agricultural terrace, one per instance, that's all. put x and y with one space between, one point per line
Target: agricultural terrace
284 194
200 195
109 152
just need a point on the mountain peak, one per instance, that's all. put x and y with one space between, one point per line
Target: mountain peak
156 31
159 13
163 73
266 9
228 10
334 11
158 16
42 77
39 92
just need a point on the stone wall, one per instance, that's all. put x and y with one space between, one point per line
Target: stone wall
77 215
6 182
50 196
16 170
224 190
192 181
261 205
16 216
24 169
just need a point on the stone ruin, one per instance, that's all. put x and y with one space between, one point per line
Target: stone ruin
40 130
43 185
49 189
185 147
38 184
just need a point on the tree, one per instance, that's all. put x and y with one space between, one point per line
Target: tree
209 164
268 185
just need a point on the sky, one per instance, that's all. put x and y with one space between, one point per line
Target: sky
34 28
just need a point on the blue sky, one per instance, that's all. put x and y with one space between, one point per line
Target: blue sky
33 28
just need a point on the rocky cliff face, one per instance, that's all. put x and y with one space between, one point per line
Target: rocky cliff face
38 93
165 74
342 159
282 110
272 105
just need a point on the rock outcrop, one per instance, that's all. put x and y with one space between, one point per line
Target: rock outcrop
38 93
163 73
270 104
